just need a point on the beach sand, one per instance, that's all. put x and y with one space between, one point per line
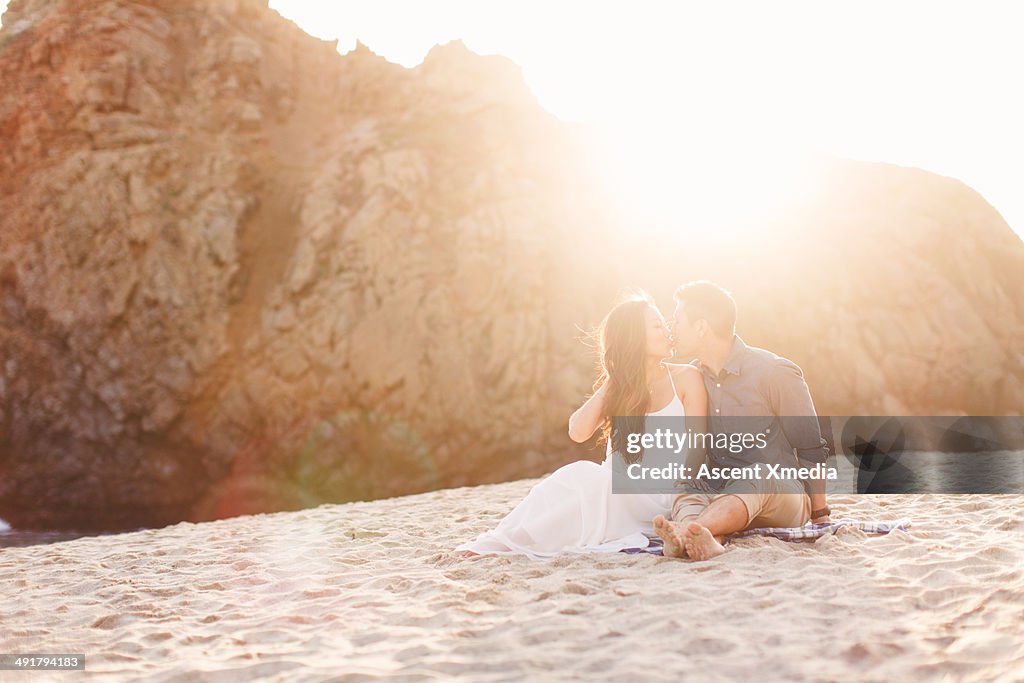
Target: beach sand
373 589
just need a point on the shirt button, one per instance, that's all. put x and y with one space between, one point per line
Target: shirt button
719 385
716 410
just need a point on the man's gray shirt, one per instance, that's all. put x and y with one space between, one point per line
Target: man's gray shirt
758 392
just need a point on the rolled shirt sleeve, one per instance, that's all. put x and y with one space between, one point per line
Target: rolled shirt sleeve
790 400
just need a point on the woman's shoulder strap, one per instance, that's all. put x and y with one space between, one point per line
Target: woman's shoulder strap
671 380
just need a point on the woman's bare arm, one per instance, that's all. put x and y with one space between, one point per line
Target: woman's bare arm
690 382
588 417
692 391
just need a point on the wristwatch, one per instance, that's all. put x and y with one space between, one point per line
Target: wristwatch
823 512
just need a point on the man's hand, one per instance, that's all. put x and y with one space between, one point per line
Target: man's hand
819 503
824 514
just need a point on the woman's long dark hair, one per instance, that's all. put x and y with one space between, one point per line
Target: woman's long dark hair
622 342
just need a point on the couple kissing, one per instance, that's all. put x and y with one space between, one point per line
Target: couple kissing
574 510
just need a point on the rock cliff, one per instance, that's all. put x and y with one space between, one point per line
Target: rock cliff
242 272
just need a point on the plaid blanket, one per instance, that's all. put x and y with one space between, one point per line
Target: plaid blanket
808 532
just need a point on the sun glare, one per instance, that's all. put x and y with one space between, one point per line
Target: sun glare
662 177
726 99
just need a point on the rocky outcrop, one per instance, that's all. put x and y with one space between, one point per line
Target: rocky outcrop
240 272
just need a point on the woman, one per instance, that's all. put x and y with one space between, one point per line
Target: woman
574 510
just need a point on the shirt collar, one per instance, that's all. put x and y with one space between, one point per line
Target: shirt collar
734 362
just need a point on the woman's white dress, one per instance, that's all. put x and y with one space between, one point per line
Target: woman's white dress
574 511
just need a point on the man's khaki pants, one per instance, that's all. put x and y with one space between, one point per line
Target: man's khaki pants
769 502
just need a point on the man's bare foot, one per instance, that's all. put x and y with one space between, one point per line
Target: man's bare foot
469 553
700 544
671 535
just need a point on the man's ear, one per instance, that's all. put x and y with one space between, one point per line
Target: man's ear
703 329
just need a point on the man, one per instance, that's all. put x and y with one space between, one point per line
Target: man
749 389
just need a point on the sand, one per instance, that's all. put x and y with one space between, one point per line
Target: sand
373 589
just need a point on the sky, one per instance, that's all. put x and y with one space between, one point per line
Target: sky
926 84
